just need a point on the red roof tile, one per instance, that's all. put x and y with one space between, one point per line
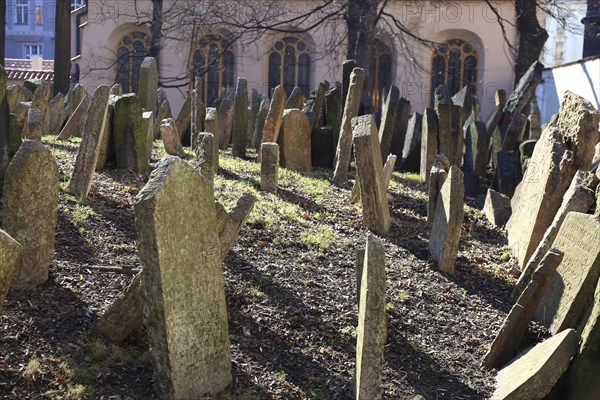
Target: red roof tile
20 70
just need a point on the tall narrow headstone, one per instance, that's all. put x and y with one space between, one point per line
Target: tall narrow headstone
429 142
33 126
296 99
447 221
274 116
240 119
402 117
344 147
56 114
437 177
259 124
106 151
411 153
131 148
254 107
211 124
10 256
182 122
372 322
225 124
375 209
347 69
74 125
204 162
148 84
294 135
40 101
87 156
333 115
388 121
269 167
230 223
164 112
443 109
182 283
30 206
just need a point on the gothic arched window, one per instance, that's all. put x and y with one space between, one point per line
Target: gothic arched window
455 64
214 61
132 50
380 73
289 64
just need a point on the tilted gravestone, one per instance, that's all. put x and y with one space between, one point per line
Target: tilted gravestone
269 167
274 116
388 121
347 69
170 137
372 322
259 124
198 116
429 142
106 151
17 94
240 119
40 101
182 122
333 115
225 122
296 99
294 139
74 125
164 112
131 150
87 156
30 211
411 153
204 162
230 223
148 84
344 147
375 209
447 221
437 177
56 114
182 283
497 208
566 145
508 172
10 256
402 117
572 288
253 109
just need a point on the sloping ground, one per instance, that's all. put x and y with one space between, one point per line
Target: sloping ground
291 295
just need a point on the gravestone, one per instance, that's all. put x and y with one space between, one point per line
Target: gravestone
16 94
170 137
296 99
29 211
497 208
87 156
437 177
148 119
481 149
74 125
388 121
388 169
240 119
321 143
565 146
274 116
10 257
41 98
198 113
182 285
447 221
269 167
182 122
333 115
116 90
535 371
164 112
375 209
75 96
259 124
521 96
411 153
525 152
572 288
429 142
14 135
514 133
211 124
254 107
514 327
161 95
319 103
294 139
230 223
33 126
225 122
347 69
344 147
443 109
106 150
578 198
204 162
125 314
56 114
508 172
372 321
148 84
131 150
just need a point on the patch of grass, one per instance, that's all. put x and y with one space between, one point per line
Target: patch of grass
281 375
96 351
322 236
245 395
349 332
75 392
81 214
33 367
256 292
390 308
404 296
75 139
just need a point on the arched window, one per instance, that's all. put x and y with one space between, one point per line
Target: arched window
455 64
214 61
130 54
289 64
380 73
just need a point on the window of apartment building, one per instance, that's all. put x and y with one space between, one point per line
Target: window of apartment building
455 64
38 13
32 50
214 61
380 74
76 4
290 65
22 11
130 54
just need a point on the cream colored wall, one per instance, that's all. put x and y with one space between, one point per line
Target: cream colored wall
433 20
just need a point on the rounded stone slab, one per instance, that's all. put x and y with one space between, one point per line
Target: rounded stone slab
30 207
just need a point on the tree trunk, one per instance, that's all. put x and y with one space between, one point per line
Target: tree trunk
532 36
361 18
62 49
2 31
3 101
156 29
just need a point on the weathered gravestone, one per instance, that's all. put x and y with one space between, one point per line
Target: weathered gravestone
296 99
321 144
429 142
534 372
572 288
225 122
259 124
30 207
14 135
318 103
106 151
437 177
10 256
515 324
164 112
388 121
375 209
41 98
182 122
388 169
372 321
274 116
74 98
254 107
443 109
508 172
33 126
269 167
230 223
87 156
17 94
347 69
447 221
55 115
582 380
131 150
204 162
411 153
497 208
402 117
148 122
578 198
333 115
240 119
182 283
170 137
294 139
74 125
344 146
566 145
148 84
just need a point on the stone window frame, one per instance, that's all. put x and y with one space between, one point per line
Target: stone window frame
21 12
458 60
298 51
128 51
213 57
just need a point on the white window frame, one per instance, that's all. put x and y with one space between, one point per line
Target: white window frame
28 50
75 4
22 12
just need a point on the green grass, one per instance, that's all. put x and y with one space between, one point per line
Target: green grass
321 236
81 214
349 332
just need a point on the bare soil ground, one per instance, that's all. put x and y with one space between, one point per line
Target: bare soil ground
290 288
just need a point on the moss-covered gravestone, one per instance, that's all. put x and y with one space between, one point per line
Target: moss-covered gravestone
240 119
148 84
182 283
10 255
129 134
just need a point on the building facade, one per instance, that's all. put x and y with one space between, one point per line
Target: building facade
458 42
